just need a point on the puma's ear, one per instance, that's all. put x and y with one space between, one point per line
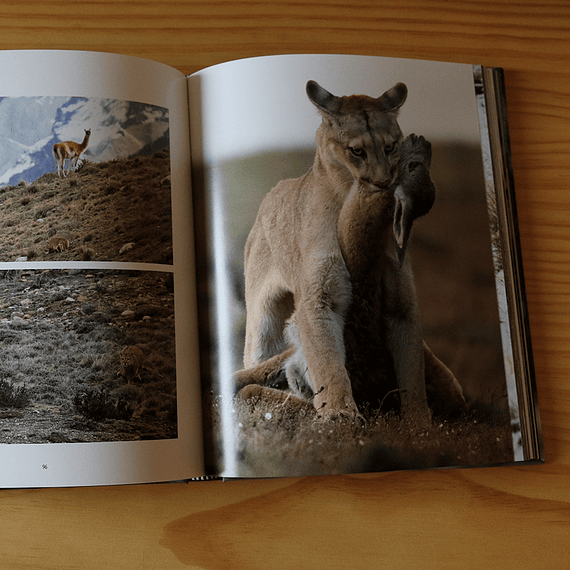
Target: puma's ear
394 98
321 98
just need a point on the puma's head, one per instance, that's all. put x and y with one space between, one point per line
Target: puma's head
360 134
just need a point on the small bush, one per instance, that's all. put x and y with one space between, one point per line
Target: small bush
13 396
40 214
85 253
99 405
89 308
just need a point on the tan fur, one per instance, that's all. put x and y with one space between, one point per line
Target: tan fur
70 151
132 361
327 251
58 244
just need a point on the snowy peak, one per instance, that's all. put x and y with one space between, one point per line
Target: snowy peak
30 126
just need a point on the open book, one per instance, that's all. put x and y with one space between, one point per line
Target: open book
137 346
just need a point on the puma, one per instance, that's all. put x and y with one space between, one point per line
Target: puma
132 363
331 307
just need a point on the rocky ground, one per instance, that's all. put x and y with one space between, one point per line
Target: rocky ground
112 211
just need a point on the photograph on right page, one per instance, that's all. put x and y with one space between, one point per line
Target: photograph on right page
349 273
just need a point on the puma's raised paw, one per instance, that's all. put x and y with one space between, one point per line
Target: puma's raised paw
415 150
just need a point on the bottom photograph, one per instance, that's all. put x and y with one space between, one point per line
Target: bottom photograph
87 356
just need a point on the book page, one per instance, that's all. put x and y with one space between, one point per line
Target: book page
252 126
99 379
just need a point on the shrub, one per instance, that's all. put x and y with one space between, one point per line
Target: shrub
13 396
99 405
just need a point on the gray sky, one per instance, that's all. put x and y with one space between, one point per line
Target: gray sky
260 104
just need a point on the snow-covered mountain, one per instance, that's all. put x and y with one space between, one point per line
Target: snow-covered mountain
30 126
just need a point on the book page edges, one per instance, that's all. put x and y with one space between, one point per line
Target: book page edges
515 328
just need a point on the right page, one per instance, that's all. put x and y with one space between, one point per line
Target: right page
353 312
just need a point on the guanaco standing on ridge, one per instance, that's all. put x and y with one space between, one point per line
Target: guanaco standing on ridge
71 151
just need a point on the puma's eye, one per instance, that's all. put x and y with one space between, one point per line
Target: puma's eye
389 148
357 151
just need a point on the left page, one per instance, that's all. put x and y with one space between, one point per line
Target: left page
98 365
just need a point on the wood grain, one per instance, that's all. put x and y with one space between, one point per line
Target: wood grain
508 517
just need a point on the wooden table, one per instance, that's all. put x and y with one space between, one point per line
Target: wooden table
514 517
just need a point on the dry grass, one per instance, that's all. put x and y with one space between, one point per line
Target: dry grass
61 332
100 209
283 440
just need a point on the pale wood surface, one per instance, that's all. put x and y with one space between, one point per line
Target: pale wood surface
478 518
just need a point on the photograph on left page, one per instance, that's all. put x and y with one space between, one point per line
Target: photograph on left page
84 179
88 346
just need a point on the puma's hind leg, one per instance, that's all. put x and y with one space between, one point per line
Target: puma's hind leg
270 373
256 396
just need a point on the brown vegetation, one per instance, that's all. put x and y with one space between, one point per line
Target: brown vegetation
98 209
61 333
278 440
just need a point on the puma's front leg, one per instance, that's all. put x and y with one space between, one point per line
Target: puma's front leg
319 334
319 315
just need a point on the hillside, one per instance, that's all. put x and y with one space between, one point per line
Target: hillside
61 334
100 209
30 126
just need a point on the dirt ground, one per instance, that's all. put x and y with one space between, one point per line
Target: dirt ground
113 211
283 441
61 333
42 423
